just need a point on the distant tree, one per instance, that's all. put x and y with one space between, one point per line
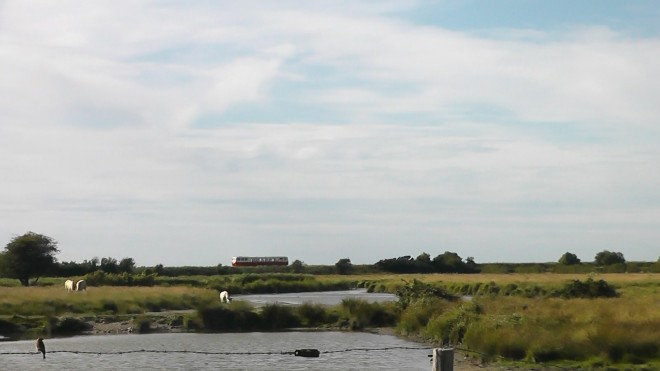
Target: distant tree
655 268
471 264
109 265
344 266
423 258
297 266
569 259
609 257
68 269
127 265
159 269
450 262
422 263
402 264
27 256
91 265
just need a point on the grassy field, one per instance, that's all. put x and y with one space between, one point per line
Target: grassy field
54 300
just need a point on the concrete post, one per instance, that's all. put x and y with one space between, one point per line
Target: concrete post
443 359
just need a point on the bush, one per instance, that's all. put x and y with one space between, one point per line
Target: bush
275 316
8 327
68 325
450 327
586 289
415 318
142 325
234 317
418 290
311 314
361 314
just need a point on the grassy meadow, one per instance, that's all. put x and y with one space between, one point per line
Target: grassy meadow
55 301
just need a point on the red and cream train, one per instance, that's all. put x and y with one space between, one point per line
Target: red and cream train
254 261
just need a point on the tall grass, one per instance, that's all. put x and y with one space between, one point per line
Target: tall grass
55 301
605 331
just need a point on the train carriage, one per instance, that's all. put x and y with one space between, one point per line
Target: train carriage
255 261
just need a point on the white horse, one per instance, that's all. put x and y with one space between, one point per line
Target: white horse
81 285
224 297
68 285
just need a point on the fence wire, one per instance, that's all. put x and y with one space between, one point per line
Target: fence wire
120 352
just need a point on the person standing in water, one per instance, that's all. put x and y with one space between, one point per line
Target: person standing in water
41 347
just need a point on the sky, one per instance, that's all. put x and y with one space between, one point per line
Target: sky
188 132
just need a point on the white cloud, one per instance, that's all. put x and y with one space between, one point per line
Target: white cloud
99 135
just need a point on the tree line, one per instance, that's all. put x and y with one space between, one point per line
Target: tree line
32 255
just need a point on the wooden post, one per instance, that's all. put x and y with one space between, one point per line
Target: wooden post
443 359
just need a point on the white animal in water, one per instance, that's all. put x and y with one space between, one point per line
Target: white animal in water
224 297
68 285
81 285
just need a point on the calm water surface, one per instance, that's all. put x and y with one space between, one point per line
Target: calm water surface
325 297
395 359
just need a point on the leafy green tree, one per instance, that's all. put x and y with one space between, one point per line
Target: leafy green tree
127 265
424 258
450 262
27 256
109 265
569 259
344 266
297 266
609 257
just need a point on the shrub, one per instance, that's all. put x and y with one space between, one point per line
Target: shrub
275 316
416 316
68 325
586 289
8 327
418 290
361 314
234 317
142 325
109 306
450 327
311 314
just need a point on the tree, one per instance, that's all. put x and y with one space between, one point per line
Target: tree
609 257
27 256
109 265
344 266
127 265
449 262
424 258
297 266
569 259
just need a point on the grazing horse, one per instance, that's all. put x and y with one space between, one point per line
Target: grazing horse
224 297
41 347
68 285
81 285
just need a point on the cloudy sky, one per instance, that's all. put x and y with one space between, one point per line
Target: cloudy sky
188 132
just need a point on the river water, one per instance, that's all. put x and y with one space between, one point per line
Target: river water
325 297
339 351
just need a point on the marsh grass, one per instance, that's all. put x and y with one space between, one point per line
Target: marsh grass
311 315
361 314
610 330
54 301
